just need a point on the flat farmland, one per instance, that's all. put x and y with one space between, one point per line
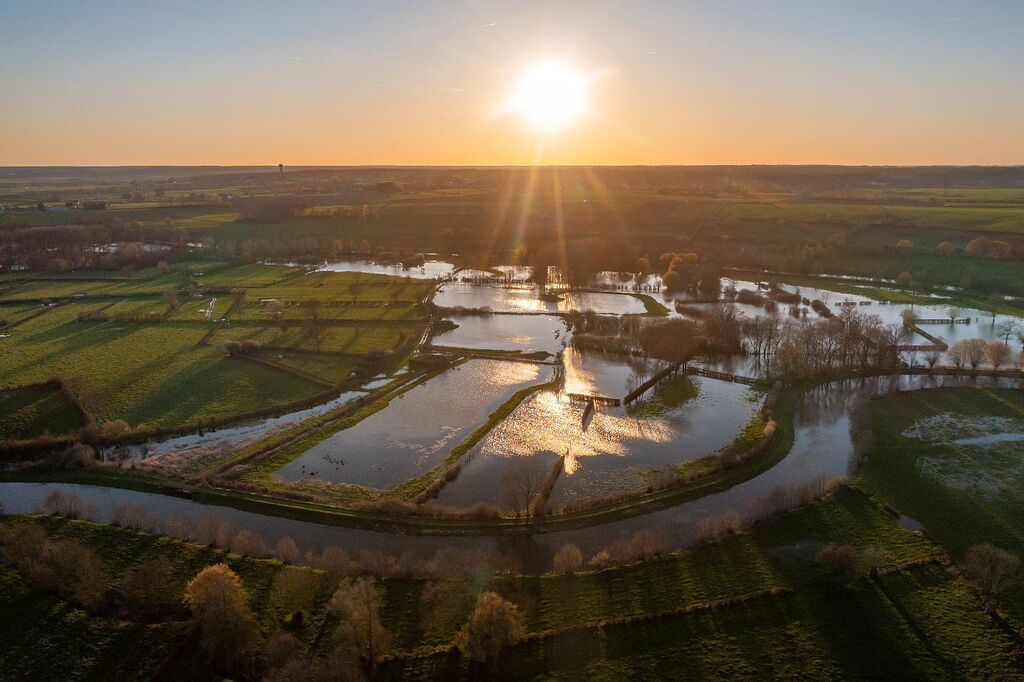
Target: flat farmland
33 411
152 375
347 340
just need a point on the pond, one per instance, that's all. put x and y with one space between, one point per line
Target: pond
506 332
615 449
416 429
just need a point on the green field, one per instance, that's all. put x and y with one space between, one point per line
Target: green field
963 494
134 357
154 376
753 605
347 340
33 411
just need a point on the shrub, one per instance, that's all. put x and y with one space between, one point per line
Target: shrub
214 533
64 567
131 515
334 561
601 560
567 560
287 551
68 505
494 625
986 247
648 544
248 543
841 563
104 432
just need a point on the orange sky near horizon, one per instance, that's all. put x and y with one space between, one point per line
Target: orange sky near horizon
907 83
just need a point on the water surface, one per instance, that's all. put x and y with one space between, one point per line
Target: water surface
417 428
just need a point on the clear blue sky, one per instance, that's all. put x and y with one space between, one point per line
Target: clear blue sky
423 82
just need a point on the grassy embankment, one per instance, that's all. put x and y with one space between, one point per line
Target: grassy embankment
653 308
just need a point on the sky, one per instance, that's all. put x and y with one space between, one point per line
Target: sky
146 82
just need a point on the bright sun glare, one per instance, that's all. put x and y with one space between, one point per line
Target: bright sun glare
550 95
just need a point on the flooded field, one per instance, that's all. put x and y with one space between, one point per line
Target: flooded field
612 279
523 298
615 448
822 446
605 374
498 299
227 436
432 269
416 429
506 332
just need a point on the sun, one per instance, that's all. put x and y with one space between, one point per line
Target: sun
549 96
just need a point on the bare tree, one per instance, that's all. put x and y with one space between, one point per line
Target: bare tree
956 355
314 312
248 543
131 515
68 505
357 603
909 317
287 551
998 354
993 569
64 567
494 625
648 543
214 533
952 313
520 484
334 561
227 627
974 351
1007 329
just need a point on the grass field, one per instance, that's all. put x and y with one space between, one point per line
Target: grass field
33 411
50 639
157 367
151 375
821 633
753 605
13 313
963 494
347 340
